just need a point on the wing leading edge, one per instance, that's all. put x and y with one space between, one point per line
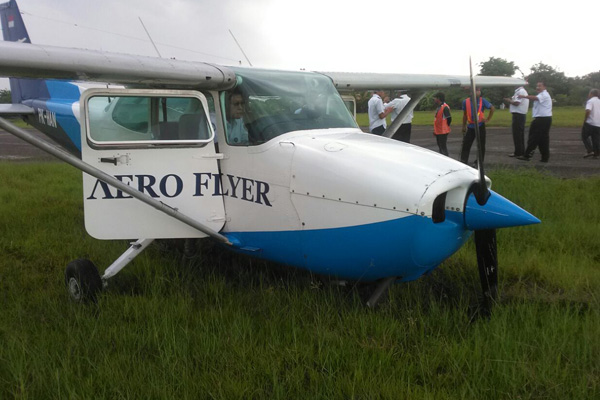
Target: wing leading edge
25 60
345 81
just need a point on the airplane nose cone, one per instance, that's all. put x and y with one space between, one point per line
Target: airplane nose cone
498 212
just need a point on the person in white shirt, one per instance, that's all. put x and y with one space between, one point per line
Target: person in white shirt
518 109
404 130
590 133
539 130
377 113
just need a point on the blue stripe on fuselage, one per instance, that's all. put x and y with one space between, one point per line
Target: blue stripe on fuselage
406 247
62 96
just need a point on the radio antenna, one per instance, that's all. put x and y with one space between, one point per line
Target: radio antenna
242 50
150 37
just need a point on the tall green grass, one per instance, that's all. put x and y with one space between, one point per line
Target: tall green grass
223 326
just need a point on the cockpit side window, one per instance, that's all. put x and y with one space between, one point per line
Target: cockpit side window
267 104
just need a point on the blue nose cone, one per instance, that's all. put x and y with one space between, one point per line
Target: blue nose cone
498 212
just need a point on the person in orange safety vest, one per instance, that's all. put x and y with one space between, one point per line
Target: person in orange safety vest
441 122
468 128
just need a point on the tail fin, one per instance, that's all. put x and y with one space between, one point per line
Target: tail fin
13 30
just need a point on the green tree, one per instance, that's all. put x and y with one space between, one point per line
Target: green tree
581 87
557 84
5 96
592 80
497 67
362 100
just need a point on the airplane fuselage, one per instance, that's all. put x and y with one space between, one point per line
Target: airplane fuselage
334 201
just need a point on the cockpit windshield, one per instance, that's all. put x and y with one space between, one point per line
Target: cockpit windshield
277 102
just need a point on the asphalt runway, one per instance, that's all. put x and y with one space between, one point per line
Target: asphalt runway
566 150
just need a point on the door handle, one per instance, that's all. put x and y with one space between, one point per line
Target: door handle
118 159
109 160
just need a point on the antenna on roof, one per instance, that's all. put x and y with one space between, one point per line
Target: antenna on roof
150 37
242 50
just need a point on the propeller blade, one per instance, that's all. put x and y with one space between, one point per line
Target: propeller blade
487 262
481 191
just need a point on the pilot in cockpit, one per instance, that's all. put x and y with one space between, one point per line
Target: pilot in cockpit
237 133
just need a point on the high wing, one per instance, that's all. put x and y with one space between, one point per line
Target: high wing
24 60
345 81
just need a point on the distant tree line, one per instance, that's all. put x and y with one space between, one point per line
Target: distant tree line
564 90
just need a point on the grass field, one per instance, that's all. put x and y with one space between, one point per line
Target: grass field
228 327
562 117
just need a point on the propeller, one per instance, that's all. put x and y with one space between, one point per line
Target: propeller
487 262
481 191
485 239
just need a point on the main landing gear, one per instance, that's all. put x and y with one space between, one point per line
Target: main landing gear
83 279
381 288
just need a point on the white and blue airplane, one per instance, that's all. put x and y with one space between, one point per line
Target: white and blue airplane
269 163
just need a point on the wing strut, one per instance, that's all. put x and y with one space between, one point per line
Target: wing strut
96 173
410 106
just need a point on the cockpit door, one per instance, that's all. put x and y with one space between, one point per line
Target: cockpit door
160 142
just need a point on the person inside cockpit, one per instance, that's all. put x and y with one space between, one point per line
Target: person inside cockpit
237 133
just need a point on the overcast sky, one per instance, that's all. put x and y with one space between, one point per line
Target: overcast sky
423 36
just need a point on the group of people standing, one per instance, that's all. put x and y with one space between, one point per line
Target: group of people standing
539 130
542 120
380 106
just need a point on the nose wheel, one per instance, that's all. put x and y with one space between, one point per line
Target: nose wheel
83 281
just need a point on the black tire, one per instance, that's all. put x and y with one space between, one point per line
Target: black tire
83 281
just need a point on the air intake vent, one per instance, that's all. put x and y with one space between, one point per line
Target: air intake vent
439 209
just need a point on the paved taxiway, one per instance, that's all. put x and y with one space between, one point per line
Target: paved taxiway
566 150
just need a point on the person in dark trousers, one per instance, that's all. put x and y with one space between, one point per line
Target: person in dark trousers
403 132
441 122
469 111
590 133
518 109
539 130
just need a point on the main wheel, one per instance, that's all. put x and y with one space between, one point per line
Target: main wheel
82 280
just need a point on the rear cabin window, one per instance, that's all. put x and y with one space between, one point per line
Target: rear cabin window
150 120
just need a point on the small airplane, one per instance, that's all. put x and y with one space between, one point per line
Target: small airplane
269 163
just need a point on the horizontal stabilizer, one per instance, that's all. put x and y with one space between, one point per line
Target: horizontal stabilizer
15 109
